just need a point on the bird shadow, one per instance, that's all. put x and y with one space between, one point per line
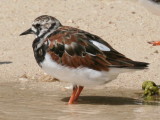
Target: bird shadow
104 100
5 62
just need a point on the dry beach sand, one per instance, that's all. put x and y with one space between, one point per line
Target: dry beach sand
126 25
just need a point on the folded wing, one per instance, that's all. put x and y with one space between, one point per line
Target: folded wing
76 48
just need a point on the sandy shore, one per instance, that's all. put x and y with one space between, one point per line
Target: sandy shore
126 25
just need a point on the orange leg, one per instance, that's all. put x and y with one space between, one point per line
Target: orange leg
155 43
80 88
72 98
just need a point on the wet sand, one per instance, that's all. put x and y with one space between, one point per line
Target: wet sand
108 104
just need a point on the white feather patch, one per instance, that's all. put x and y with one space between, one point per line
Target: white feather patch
100 46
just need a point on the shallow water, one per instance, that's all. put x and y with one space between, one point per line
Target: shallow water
35 104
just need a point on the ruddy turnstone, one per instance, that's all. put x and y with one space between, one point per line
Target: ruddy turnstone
154 7
76 56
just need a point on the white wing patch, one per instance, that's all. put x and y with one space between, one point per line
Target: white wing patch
100 45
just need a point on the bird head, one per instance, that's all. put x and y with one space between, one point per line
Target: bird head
42 24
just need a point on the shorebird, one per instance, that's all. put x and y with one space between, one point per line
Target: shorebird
76 56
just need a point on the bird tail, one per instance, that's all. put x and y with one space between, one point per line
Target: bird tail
139 65
130 64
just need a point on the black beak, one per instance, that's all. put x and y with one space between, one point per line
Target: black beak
29 31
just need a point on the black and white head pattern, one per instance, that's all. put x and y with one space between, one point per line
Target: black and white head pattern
44 25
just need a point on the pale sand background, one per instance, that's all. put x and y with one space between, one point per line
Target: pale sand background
126 25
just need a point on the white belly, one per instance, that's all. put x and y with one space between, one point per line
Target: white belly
79 76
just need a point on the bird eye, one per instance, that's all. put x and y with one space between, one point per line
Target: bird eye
37 25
